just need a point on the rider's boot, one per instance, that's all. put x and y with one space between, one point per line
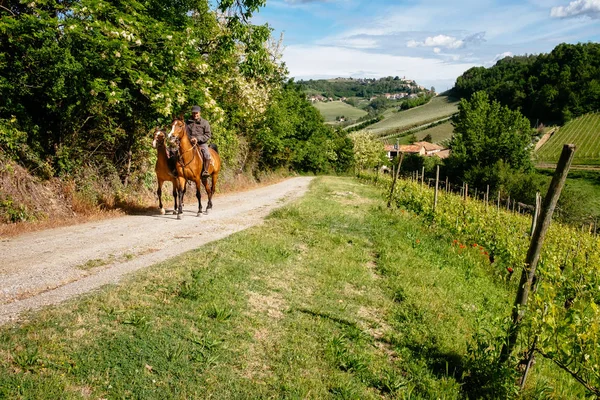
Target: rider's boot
205 165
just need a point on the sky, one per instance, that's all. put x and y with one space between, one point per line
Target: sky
432 42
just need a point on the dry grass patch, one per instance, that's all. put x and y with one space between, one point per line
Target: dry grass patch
273 305
372 323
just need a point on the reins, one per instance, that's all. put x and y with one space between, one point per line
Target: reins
180 159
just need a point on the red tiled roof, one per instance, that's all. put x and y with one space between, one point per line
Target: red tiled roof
410 148
429 146
442 154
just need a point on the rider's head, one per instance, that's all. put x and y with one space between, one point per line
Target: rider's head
196 112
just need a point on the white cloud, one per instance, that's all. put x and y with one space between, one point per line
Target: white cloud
448 42
437 50
319 61
590 8
498 58
354 42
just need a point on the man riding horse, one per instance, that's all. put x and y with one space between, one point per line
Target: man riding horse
198 130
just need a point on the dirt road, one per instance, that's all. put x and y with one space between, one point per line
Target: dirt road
48 267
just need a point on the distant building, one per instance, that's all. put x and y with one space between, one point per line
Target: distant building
424 149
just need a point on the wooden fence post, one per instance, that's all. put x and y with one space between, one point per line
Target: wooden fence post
447 187
437 180
487 196
466 193
536 212
535 247
389 204
422 176
498 207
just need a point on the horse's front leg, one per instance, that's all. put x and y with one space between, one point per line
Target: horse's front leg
159 193
175 196
198 196
180 186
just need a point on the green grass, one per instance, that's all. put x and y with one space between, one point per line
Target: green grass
583 132
397 121
331 110
334 297
583 189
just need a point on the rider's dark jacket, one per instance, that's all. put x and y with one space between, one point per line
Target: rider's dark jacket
199 130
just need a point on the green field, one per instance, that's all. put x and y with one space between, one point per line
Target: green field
398 121
333 109
584 132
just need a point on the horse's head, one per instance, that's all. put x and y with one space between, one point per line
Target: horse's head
159 138
178 129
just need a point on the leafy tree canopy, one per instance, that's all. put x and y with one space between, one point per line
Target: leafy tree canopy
487 135
83 82
548 88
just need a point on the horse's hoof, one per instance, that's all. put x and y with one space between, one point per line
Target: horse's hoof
174 212
199 214
162 211
206 212
178 216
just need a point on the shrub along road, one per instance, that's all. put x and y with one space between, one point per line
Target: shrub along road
48 267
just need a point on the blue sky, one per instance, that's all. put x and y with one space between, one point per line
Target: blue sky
432 42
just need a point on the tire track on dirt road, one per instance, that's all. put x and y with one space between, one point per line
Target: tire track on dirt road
48 267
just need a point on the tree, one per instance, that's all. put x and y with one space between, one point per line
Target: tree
487 135
368 152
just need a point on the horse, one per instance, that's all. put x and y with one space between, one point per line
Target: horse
165 169
189 165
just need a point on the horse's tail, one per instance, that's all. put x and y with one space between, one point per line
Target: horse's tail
214 147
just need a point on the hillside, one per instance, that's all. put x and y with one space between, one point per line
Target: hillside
440 134
583 132
396 122
549 88
361 87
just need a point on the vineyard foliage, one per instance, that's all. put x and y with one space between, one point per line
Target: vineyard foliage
584 132
563 311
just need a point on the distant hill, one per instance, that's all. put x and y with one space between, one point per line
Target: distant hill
360 87
550 88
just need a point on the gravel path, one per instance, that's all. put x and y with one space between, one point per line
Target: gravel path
48 267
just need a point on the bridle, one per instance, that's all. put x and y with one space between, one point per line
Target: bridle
177 140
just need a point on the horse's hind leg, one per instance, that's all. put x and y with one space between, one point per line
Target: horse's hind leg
209 190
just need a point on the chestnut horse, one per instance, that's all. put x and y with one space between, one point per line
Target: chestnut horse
189 165
165 169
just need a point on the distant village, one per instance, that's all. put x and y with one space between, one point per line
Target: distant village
411 91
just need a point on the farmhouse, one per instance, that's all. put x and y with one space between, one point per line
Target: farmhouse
424 149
